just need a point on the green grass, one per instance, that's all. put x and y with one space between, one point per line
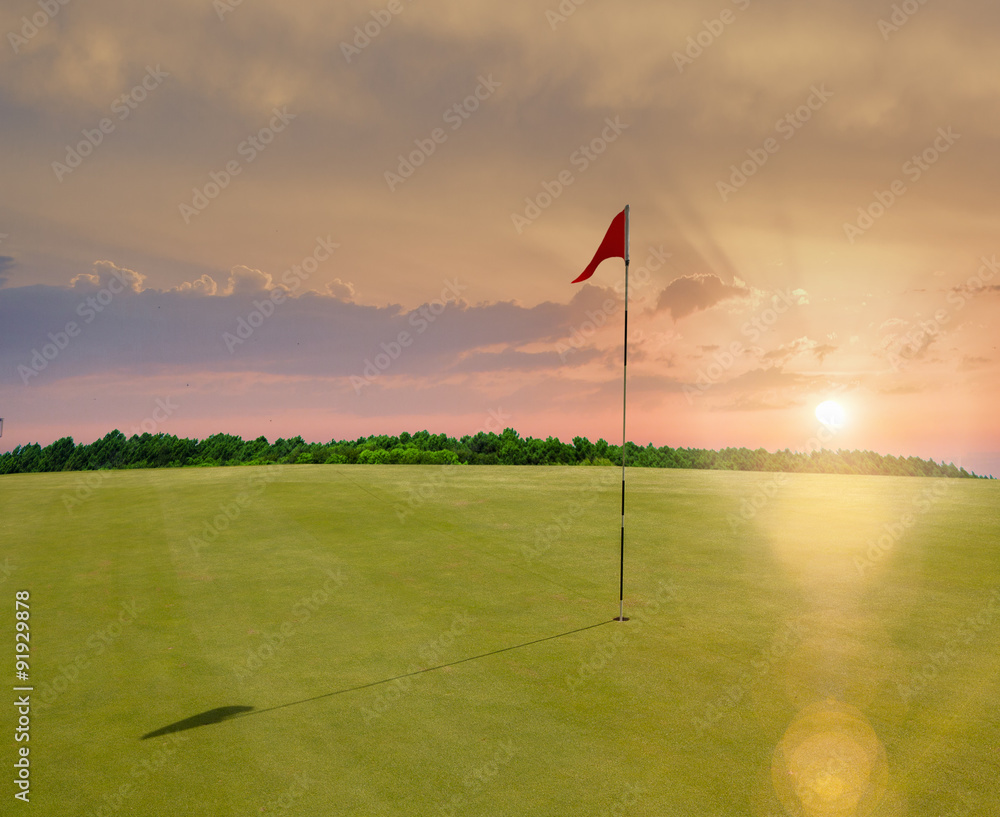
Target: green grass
747 623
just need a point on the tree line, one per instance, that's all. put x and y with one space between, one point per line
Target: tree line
115 451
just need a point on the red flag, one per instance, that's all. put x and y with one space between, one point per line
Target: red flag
614 245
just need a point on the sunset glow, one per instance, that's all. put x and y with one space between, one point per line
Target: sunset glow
831 414
306 219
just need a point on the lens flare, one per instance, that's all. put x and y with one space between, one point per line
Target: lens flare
830 763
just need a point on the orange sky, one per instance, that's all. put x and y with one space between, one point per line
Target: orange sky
812 191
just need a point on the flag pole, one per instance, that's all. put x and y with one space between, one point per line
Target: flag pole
621 572
615 245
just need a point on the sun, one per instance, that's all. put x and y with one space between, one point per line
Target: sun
831 414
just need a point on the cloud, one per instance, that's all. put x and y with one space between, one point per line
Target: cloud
770 387
685 129
970 290
771 377
85 279
243 280
768 401
205 285
147 331
108 275
913 344
513 360
803 345
246 281
694 293
972 362
891 325
341 290
901 388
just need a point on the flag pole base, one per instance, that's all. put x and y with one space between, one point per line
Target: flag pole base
620 618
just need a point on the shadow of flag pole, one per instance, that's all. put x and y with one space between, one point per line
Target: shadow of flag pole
615 245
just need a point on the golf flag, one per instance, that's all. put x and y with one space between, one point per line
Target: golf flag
614 245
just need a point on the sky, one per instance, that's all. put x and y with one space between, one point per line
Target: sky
337 220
